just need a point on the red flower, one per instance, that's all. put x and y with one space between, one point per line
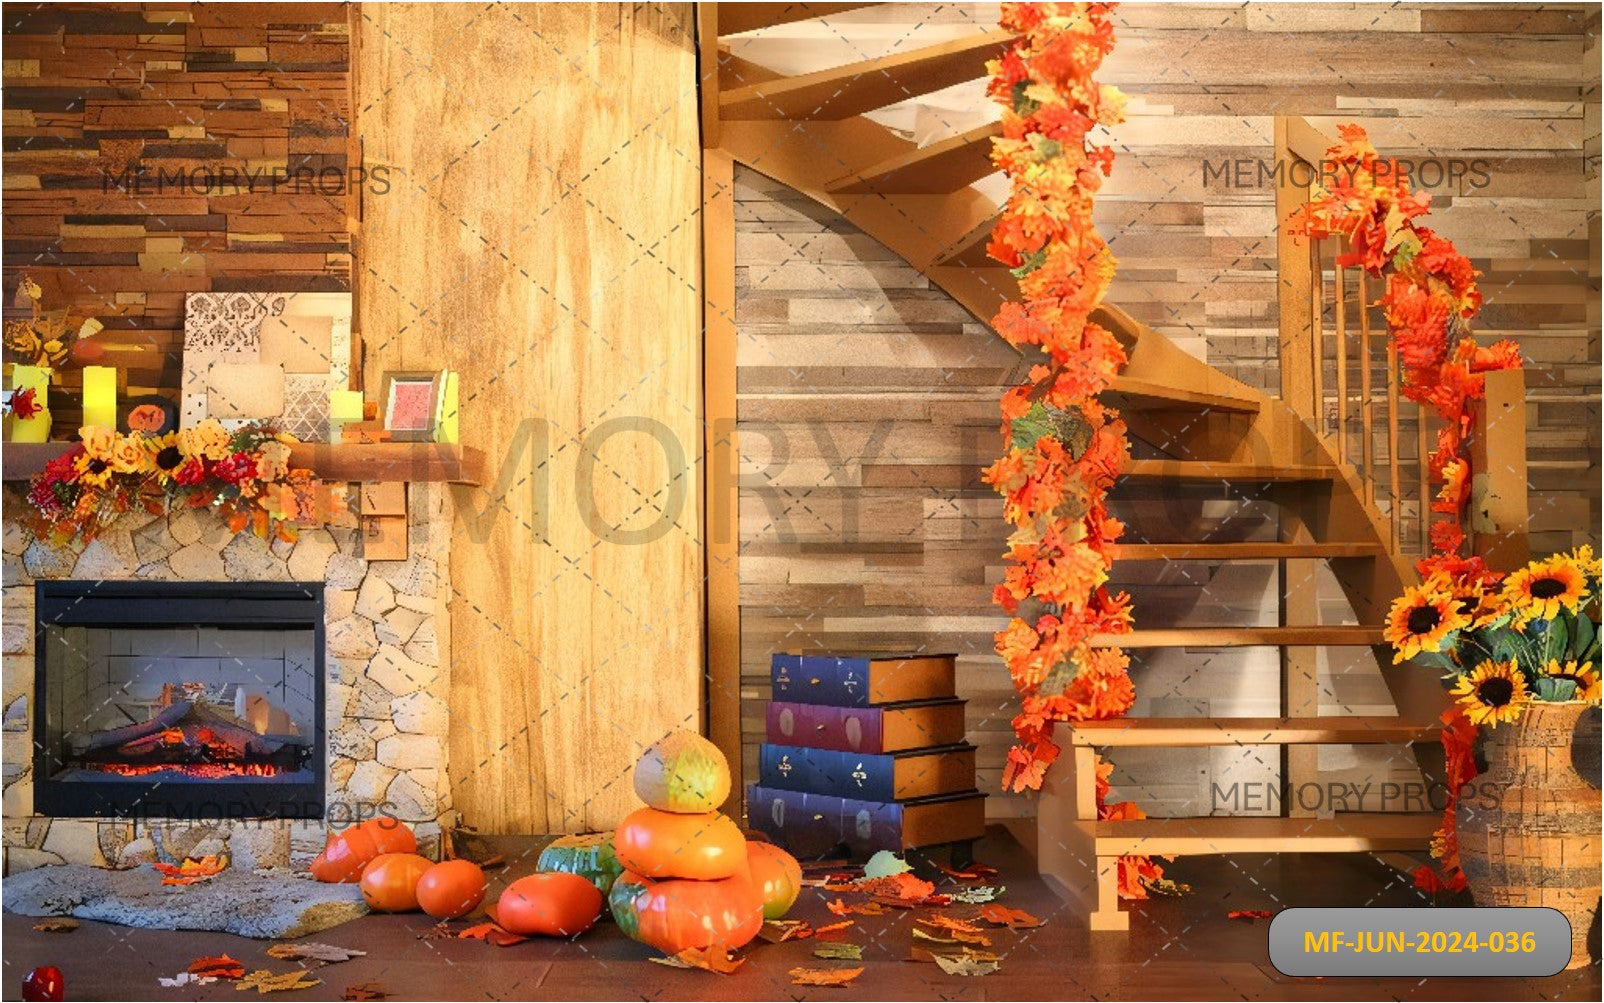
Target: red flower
191 472
25 404
236 468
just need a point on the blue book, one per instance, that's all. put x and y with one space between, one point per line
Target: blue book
913 773
811 826
862 680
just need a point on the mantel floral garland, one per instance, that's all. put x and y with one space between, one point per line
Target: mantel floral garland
1429 302
244 473
1063 448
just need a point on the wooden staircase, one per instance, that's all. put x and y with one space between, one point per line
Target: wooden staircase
809 133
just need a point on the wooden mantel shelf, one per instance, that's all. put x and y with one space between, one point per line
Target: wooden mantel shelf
383 461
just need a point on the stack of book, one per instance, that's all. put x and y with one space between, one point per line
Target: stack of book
866 753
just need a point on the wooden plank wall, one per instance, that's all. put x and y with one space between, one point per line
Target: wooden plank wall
542 238
93 90
854 374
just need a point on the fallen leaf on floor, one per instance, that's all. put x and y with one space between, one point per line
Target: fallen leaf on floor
929 955
192 871
894 903
708 958
219 966
366 991
776 931
897 886
440 931
834 931
185 979
493 861
490 933
1016 919
957 937
944 921
56 924
1166 888
870 908
838 906
884 864
1249 915
326 953
839 951
976 895
965 966
823 976
974 872
264 981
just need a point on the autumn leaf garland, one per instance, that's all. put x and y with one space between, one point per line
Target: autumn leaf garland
1063 448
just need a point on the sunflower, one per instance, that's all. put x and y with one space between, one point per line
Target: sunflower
165 455
1493 692
1422 618
1588 689
93 471
1542 588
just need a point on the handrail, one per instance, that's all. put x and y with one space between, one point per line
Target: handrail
1386 438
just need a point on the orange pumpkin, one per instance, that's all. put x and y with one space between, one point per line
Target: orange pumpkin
663 844
679 915
776 875
390 881
451 888
550 904
347 853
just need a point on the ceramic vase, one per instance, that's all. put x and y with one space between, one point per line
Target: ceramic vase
1529 826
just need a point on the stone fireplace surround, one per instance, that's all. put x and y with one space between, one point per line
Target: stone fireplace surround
388 641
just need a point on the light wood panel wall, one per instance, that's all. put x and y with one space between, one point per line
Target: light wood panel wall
542 239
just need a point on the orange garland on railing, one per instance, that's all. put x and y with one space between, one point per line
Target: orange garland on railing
1430 299
1064 448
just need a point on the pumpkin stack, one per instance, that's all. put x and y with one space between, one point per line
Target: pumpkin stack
689 880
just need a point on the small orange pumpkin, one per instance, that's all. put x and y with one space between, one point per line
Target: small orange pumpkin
776 875
451 888
665 844
347 853
390 881
549 904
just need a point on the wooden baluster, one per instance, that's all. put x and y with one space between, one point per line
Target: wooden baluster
1317 280
1342 364
1392 444
1423 459
1368 446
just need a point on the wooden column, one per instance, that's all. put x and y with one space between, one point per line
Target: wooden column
539 236
1499 488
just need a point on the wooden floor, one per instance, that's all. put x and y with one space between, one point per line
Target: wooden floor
1182 949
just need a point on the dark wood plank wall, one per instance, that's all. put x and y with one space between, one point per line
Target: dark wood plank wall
864 392
202 97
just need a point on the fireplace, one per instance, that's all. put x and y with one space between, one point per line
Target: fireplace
179 700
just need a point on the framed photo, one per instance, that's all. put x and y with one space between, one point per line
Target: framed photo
151 414
411 405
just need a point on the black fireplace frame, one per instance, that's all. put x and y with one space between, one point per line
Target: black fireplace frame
113 604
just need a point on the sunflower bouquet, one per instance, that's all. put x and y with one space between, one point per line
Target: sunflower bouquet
244 473
1503 642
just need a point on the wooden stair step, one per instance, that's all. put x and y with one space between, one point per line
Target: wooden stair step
1349 832
734 18
1131 394
1243 551
1210 470
936 169
969 251
1242 637
842 92
1194 732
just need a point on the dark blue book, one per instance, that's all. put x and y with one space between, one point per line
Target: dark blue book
886 777
862 680
811 826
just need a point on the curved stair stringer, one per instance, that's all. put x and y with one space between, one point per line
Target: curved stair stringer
1230 422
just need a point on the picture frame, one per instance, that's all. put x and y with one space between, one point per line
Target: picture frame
409 405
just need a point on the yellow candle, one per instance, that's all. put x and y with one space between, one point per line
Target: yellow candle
37 428
100 396
445 429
